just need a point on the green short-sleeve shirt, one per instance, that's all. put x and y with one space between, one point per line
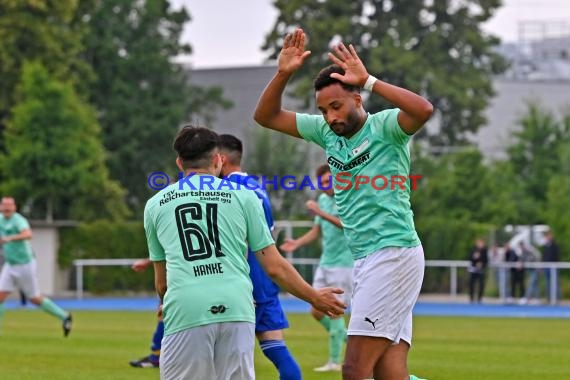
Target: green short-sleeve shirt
16 252
203 236
373 217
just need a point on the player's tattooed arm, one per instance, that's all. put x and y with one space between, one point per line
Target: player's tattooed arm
285 275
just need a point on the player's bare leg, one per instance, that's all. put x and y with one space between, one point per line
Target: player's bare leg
362 354
393 364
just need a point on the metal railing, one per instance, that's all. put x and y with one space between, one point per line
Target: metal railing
286 227
453 266
81 263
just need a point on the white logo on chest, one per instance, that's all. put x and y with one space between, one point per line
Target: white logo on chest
360 148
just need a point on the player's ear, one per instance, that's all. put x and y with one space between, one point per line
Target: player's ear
357 99
179 164
217 162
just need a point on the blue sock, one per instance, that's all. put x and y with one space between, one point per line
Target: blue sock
277 352
157 341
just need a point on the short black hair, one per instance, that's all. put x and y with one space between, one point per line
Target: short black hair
231 143
233 148
324 79
195 146
322 170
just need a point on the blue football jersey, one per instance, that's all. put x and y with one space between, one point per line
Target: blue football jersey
264 288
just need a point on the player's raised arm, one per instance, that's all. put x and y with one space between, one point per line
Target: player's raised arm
414 109
268 112
283 273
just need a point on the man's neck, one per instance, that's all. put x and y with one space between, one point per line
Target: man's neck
197 171
231 169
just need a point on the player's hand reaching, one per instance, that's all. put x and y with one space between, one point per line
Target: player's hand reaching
354 71
289 245
328 303
141 265
293 53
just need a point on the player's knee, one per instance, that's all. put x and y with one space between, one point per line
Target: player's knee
352 372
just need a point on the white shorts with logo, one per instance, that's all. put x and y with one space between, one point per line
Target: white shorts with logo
338 277
387 284
219 351
20 277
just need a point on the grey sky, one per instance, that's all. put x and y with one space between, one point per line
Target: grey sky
231 32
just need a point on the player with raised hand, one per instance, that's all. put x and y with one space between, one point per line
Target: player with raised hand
378 224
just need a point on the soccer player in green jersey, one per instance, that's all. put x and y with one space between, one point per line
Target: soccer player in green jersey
335 265
365 151
198 231
19 270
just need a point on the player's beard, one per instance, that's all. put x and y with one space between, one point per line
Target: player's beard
348 128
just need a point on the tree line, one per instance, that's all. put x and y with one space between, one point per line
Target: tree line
91 99
90 102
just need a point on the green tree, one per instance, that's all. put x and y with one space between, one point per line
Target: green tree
452 203
435 48
534 160
42 31
504 197
140 95
54 160
455 186
556 213
274 156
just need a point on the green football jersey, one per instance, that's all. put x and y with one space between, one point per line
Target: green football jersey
335 250
378 214
203 235
18 251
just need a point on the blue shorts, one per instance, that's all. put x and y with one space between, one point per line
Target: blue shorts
269 316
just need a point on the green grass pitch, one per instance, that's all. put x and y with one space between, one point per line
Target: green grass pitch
102 343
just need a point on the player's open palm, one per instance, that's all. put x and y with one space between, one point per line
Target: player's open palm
354 71
293 53
289 245
328 303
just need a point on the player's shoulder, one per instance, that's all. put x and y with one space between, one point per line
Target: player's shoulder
322 198
249 182
316 121
19 217
385 117
153 201
326 202
244 178
382 115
